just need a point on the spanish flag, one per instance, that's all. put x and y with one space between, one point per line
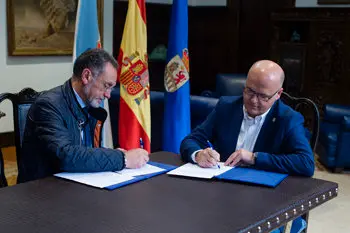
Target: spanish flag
134 113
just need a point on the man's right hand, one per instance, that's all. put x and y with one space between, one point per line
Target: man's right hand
207 158
136 158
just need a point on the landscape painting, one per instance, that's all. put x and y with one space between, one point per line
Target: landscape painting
43 27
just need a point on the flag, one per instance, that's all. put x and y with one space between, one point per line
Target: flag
177 123
134 111
87 36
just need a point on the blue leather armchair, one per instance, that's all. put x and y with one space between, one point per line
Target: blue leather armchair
334 138
227 85
200 109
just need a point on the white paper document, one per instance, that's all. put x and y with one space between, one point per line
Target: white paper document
193 170
96 179
147 169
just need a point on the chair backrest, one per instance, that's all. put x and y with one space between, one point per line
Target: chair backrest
334 113
21 103
310 112
201 107
230 84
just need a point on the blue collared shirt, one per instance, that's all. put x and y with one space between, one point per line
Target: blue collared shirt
82 105
80 101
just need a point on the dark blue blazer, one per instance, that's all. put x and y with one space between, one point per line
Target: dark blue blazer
282 145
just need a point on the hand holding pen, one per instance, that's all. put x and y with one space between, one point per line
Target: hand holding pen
142 145
214 157
136 158
207 158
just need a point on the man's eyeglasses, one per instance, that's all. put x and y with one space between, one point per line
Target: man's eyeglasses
261 97
104 86
107 86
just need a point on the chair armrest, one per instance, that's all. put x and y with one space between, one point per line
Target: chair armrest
334 113
346 123
342 152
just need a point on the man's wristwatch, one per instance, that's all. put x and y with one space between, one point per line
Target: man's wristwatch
125 160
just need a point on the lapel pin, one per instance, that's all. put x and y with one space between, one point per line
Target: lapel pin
274 119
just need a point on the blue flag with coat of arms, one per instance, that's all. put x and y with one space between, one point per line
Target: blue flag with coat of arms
177 121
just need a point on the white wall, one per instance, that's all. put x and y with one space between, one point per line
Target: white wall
38 72
313 3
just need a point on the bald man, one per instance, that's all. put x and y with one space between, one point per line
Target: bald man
256 129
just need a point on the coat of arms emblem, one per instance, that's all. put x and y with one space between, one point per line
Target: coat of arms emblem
176 72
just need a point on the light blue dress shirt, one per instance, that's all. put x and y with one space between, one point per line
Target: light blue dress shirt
250 129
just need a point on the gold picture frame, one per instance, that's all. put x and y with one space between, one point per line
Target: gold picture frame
43 27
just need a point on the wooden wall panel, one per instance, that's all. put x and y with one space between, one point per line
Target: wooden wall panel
324 35
212 41
221 39
255 29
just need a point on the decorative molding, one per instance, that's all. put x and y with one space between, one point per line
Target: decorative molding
329 57
291 212
27 94
324 35
311 14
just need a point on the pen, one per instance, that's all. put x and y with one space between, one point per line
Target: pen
211 147
141 143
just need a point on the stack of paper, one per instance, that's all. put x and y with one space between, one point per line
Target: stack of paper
96 179
145 170
113 179
239 174
193 170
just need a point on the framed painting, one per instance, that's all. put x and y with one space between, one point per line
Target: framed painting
43 27
333 1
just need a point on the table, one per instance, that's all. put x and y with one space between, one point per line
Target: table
160 204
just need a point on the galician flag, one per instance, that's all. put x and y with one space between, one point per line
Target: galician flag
177 121
134 112
87 36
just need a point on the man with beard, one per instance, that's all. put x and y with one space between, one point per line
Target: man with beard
256 130
64 125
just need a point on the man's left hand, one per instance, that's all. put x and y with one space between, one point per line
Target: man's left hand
240 156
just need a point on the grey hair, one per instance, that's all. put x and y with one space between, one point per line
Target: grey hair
95 60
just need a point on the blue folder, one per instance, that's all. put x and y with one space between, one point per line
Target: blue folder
249 175
166 168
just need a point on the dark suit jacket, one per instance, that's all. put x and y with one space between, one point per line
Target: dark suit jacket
281 144
52 140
